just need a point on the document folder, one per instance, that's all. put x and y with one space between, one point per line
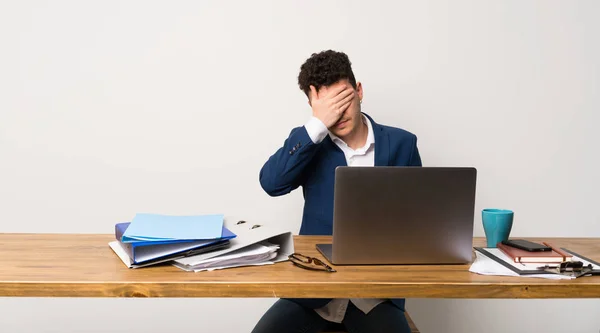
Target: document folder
141 252
155 227
119 250
247 234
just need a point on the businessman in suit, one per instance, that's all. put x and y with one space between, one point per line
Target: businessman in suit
337 134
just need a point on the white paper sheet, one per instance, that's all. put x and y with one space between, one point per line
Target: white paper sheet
255 254
268 262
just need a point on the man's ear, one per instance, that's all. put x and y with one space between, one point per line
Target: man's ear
308 93
359 91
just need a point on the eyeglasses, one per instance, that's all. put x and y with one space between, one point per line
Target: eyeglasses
305 262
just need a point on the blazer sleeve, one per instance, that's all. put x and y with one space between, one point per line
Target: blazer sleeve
415 157
285 170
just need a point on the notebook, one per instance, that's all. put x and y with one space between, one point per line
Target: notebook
543 257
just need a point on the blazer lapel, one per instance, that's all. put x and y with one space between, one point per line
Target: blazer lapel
382 144
335 154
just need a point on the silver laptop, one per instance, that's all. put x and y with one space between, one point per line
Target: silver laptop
402 215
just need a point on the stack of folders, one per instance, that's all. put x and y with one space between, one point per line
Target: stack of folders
198 243
151 239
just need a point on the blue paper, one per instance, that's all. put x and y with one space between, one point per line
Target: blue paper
154 227
121 227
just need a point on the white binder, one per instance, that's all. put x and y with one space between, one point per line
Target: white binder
247 233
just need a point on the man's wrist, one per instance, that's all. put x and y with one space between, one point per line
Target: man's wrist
316 129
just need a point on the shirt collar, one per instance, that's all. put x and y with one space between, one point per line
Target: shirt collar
370 135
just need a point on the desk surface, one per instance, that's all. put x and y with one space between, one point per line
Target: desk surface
82 265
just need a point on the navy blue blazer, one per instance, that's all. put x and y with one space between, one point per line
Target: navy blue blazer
300 162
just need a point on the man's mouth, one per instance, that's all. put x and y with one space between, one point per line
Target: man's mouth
341 123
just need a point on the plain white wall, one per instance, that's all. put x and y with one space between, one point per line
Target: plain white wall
109 108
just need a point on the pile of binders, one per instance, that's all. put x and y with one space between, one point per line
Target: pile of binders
151 239
196 243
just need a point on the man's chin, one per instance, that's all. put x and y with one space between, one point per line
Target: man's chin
341 132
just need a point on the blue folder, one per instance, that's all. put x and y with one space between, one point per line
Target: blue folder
156 227
143 252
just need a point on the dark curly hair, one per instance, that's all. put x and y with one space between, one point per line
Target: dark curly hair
324 69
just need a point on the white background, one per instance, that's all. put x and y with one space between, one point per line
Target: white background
110 108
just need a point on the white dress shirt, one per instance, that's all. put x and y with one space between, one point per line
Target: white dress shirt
365 156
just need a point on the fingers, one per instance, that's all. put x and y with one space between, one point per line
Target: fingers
343 108
344 103
343 95
335 95
338 93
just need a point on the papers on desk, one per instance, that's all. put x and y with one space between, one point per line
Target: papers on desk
492 261
487 266
237 244
251 239
143 253
256 254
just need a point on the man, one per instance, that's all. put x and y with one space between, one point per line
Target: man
337 134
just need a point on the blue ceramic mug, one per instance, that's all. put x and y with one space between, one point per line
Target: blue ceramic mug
497 224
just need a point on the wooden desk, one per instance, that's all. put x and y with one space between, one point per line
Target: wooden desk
69 265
